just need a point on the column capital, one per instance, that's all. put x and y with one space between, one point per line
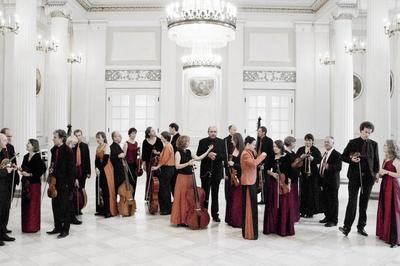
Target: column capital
58 8
345 9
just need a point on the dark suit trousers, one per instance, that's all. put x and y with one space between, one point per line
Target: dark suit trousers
331 202
167 172
351 210
4 204
211 183
62 209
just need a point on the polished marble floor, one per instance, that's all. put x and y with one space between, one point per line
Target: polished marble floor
150 240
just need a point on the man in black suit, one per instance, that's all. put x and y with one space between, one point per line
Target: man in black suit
14 179
229 148
174 131
5 193
211 169
363 158
264 144
82 155
329 171
116 154
63 169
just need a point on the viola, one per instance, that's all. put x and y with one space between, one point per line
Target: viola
79 198
283 187
52 181
233 174
126 203
153 188
197 216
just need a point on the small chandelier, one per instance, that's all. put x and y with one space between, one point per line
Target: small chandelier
356 47
46 45
74 59
8 25
326 60
201 57
391 28
193 22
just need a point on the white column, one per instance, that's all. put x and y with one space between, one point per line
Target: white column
342 90
58 76
396 94
23 123
377 94
234 78
169 80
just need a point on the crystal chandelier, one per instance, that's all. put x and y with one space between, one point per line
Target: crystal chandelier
393 27
197 22
356 47
46 45
201 57
74 59
9 24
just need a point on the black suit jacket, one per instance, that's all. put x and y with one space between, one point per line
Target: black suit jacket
314 163
174 139
115 150
85 158
355 145
229 148
267 146
207 164
64 167
331 176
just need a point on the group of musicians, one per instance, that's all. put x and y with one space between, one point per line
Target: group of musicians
292 184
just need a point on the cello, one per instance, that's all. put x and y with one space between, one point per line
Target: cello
126 203
197 216
153 188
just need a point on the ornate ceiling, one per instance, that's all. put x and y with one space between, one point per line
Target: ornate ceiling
303 6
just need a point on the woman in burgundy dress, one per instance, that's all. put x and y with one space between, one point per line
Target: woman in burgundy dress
132 151
278 216
233 215
290 144
32 169
388 218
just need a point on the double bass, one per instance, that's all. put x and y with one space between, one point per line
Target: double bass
153 188
197 216
126 203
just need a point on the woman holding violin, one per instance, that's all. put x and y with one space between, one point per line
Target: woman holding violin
233 214
167 166
132 153
278 216
184 161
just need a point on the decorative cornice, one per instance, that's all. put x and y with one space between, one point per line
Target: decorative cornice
132 75
90 7
269 76
346 9
57 8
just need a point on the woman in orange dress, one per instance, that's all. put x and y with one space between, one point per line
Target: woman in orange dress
106 201
184 161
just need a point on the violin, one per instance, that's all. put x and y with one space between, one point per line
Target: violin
6 162
233 174
126 203
197 216
283 187
52 181
153 188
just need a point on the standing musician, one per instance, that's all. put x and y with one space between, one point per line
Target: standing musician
116 154
363 158
184 161
248 164
5 192
290 145
82 155
211 169
174 131
264 144
132 153
167 166
62 159
9 152
307 159
228 151
151 147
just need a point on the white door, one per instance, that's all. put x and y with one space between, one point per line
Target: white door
276 109
138 108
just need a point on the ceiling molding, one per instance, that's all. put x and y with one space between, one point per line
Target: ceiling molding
90 7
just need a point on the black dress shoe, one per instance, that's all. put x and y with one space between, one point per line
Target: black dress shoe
330 224
76 222
53 232
1 243
393 246
362 232
344 230
323 221
98 214
216 219
165 213
8 231
62 235
7 238
108 215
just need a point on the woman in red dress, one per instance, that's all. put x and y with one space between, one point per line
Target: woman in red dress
132 151
32 169
388 218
